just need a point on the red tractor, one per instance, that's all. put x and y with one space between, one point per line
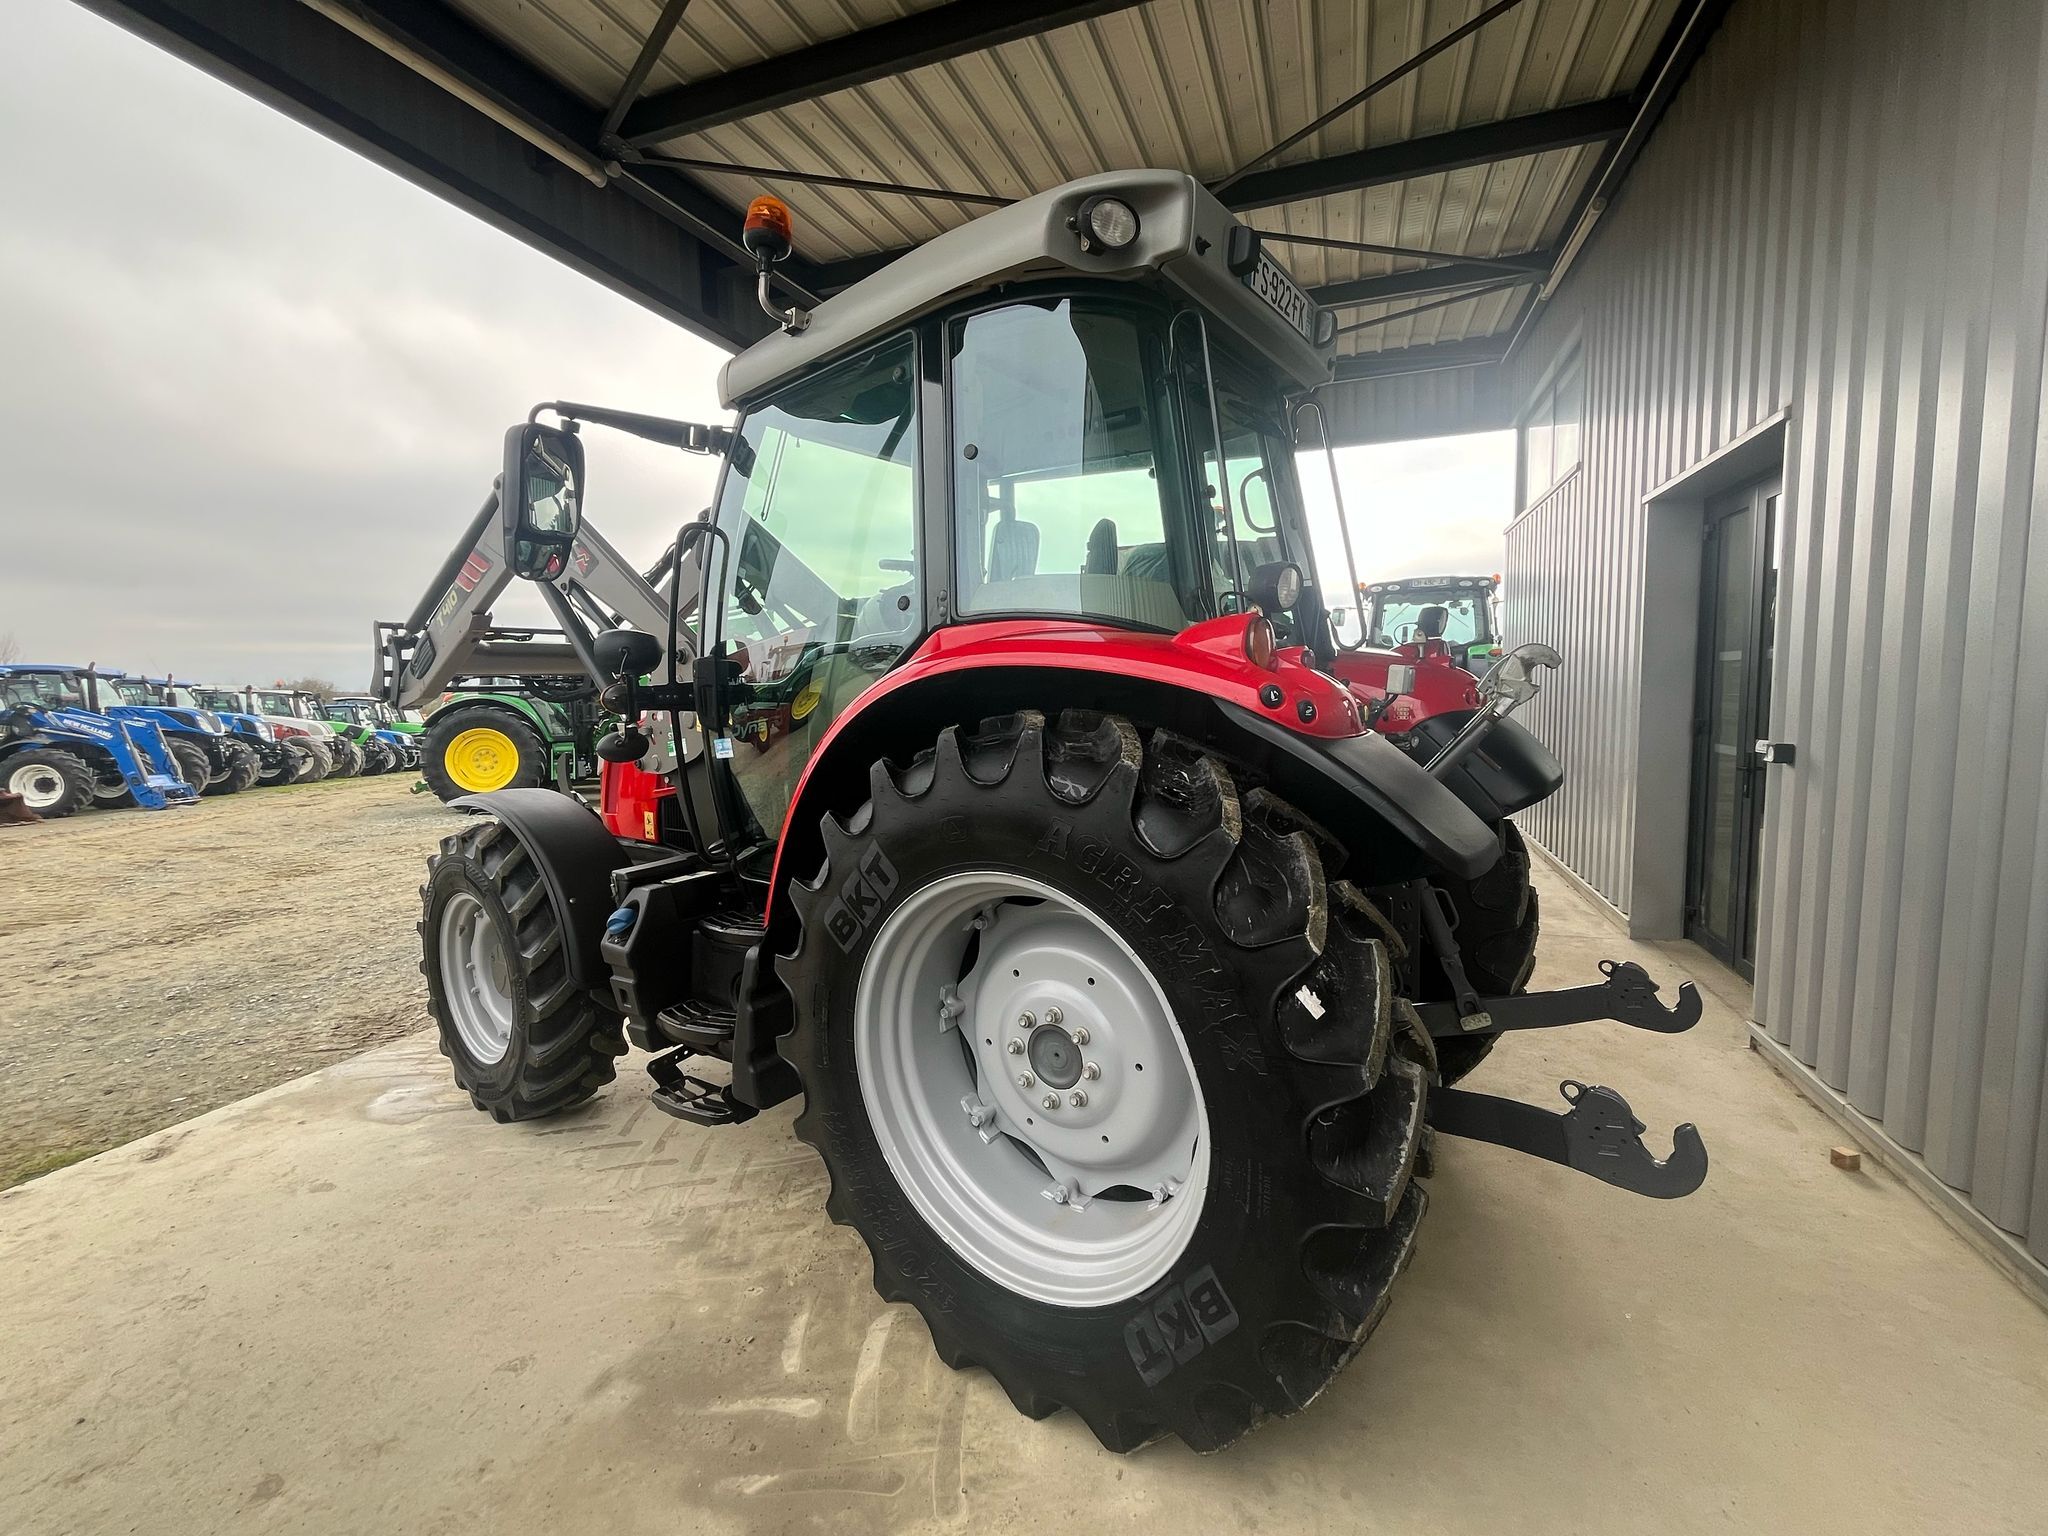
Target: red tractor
999 788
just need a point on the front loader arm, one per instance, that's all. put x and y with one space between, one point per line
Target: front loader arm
449 635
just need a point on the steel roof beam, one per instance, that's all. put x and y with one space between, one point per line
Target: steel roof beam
1415 283
873 53
1475 353
440 34
1534 133
624 236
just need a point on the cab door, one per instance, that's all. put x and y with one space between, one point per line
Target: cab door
817 573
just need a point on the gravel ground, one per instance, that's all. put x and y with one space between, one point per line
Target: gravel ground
155 965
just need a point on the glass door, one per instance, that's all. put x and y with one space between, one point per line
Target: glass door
1731 713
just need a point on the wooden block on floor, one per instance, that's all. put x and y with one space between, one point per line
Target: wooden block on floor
1847 1158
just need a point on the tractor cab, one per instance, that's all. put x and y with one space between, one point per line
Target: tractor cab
1072 420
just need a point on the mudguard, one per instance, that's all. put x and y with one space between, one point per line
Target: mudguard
576 857
1356 783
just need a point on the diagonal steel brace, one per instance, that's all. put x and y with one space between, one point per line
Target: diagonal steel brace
1627 996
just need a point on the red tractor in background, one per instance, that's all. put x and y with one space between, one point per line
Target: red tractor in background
997 785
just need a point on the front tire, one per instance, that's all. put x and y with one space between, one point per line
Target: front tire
475 751
524 1039
193 765
242 771
1120 879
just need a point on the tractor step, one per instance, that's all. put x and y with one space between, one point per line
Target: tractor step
695 1099
1628 996
699 1027
1599 1135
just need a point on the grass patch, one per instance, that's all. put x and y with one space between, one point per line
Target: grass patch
40 1163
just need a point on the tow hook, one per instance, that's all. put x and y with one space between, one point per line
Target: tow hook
1598 1135
1628 996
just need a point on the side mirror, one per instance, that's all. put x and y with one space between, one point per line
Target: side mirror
622 653
1430 622
542 499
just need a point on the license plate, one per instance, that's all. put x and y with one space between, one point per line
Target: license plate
1284 295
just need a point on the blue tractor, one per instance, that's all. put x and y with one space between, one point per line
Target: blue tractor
60 756
211 758
196 740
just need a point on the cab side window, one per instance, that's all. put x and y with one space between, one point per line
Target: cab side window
1059 437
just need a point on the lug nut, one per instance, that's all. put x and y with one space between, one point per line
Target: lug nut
1026 1019
1081 1035
1016 1047
1053 1015
1091 1071
1050 1101
1025 1079
1078 1099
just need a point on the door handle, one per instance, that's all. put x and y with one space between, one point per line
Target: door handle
1782 753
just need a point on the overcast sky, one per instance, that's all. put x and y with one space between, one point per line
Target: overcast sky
252 385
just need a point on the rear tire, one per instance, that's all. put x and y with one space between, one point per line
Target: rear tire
194 767
1500 917
378 757
524 1039
51 782
1272 982
476 750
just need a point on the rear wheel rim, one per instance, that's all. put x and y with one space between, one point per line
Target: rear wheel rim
1082 1204
482 759
39 785
476 978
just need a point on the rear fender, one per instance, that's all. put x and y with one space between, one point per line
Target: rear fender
575 856
1393 818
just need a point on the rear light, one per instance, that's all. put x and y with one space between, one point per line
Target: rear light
1259 644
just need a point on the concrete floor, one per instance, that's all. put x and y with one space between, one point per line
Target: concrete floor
353 1304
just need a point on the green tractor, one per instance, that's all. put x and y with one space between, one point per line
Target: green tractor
518 735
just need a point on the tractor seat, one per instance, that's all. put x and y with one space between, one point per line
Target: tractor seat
1102 551
1012 550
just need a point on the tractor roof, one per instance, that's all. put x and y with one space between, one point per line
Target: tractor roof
1430 583
1183 237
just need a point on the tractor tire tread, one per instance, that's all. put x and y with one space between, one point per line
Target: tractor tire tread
1334 1048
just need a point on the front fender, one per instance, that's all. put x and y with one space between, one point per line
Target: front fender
575 856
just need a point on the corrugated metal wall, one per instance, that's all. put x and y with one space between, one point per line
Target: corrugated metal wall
1845 215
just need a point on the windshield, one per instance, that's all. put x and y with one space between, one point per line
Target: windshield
129 691
18 691
218 698
1468 617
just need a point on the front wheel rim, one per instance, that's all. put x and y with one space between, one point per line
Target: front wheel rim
1038 1105
476 978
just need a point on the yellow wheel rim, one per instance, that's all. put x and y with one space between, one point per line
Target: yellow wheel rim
481 758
